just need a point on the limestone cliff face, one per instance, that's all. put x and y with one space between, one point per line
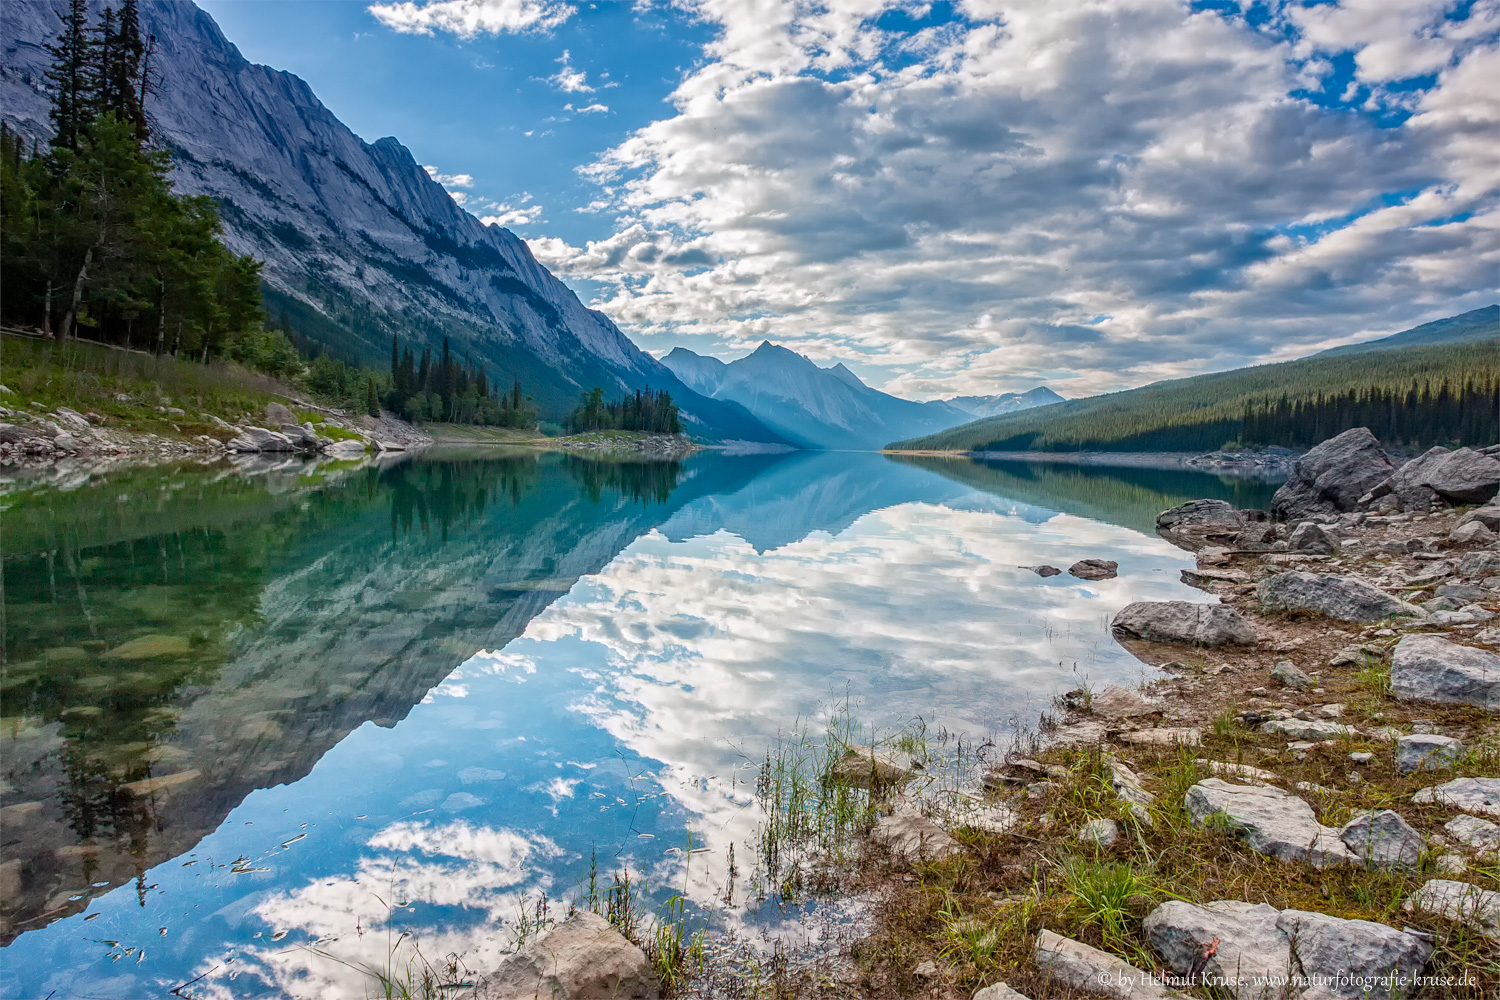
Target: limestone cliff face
356 232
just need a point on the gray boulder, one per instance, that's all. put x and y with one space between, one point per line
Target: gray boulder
1269 820
1252 949
1099 832
1471 795
1488 515
1427 752
1094 569
1309 729
582 959
998 991
1345 598
911 837
1357 959
1312 538
1462 476
1181 621
258 439
1045 571
279 415
1383 840
1473 533
1241 940
1480 564
1479 835
1089 970
1429 668
1461 902
1287 673
1332 477
1198 524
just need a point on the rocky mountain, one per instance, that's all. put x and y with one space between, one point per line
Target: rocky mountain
358 242
1006 402
1473 327
822 408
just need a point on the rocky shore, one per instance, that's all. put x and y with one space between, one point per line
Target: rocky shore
1305 806
30 436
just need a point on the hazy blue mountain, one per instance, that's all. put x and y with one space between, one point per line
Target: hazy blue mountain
1006 402
1466 328
823 408
358 241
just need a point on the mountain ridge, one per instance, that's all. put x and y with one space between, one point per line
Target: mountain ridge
1006 402
819 408
1474 326
359 243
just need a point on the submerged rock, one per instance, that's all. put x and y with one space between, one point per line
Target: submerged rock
1180 621
1094 569
1345 598
1432 669
582 959
871 768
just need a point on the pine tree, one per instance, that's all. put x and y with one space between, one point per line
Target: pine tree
372 398
126 78
67 77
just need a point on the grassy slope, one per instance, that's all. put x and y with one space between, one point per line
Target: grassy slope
91 378
1210 405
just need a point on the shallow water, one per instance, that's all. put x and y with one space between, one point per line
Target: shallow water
256 718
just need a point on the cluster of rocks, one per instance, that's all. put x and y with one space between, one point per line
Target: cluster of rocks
39 437
648 446
1083 569
1272 459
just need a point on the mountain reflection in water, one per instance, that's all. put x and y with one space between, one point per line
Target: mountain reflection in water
175 639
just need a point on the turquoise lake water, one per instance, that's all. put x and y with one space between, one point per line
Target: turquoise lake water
259 719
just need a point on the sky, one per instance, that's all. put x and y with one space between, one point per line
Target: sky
951 197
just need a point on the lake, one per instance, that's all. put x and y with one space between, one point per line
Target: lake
257 716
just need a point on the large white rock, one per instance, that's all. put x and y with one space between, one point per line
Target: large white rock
911 837
1181 621
1432 669
584 958
1459 901
1090 970
1357 959
1344 598
1249 945
1426 752
1470 795
1308 729
1479 835
258 439
1270 821
1383 840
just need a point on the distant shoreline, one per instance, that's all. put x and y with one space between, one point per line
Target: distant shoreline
1117 459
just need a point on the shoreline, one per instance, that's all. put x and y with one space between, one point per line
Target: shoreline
1302 714
1255 465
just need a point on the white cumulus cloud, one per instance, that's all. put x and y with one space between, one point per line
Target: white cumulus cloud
1093 195
468 18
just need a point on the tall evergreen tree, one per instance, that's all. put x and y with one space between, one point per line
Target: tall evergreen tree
127 81
68 77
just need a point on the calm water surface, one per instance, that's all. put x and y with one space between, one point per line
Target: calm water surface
254 716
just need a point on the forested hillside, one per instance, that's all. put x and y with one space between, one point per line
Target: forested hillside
1208 411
